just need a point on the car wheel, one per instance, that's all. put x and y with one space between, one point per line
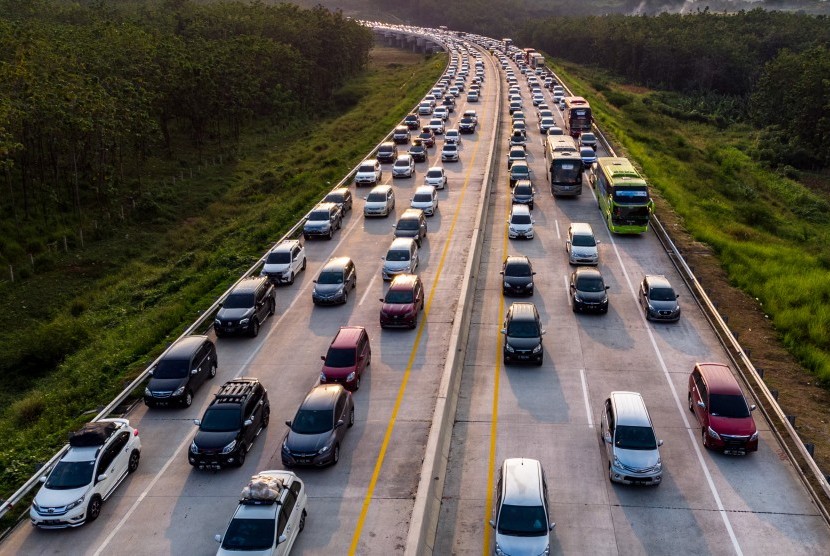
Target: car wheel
93 509
331 233
188 399
351 417
357 383
345 296
610 473
691 406
212 371
302 521
306 237
255 328
240 459
336 455
704 437
540 361
135 457
573 306
272 305
506 361
266 418
531 206
414 324
291 279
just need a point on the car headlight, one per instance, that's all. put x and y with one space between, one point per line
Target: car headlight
286 273
509 348
659 465
229 448
244 322
351 376
325 449
506 284
616 461
148 393
193 448
604 299
711 432
499 551
530 284
577 298
179 391
217 322
754 436
35 507
651 308
285 449
76 503
322 377
537 349
341 290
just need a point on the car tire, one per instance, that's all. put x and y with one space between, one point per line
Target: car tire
304 262
272 305
187 401
345 296
351 417
93 509
255 328
610 473
306 237
212 371
266 418
301 526
291 279
331 233
335 457
135 458
240 459
691 406
541 361
505 360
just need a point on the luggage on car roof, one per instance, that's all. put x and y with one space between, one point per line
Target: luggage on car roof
92 434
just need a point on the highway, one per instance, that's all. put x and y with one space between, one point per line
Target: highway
708 504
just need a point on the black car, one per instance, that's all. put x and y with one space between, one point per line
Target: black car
181 371
337 277
412 121
517 276
523 335
418 151
588 291
251 302
449 102
523 193
427 137
401 135
387 152
466 125
231 423
319 427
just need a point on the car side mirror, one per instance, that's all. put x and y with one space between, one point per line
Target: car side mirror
102 477
677 296
659 442
221 304
753 407
150 372
217 538
282 539
42 479
701 405
503 331
599 241
394 225
314 281
607 287
492 524
533 273
501 272
194 371
380 299
607 437
339 424
288 423
365 197
322 357
248 422
197 422
544 331
551 526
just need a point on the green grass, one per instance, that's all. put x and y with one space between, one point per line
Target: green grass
770 233
95 320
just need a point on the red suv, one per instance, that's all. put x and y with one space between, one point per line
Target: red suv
348 356
719 404
404 299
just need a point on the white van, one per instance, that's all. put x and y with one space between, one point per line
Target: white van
401 258
426 199
380 201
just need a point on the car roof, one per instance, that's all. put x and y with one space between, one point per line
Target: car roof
517 259
411 213
657 280
185 347
383 187
431 168
521 478
347 337
523 183
523 310
401 243
81 453
517 209
288 244
425 189
322 396
249 284
581 229
630 409
587 271
325 206
406 156
335 264
719 378
403 282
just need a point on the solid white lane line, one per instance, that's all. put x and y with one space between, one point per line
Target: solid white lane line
558 235
585 396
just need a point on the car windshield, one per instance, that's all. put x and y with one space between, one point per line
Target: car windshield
434 174
422 198
569 172
583 241
397 255
398 296
635 438
588 138
662 294
590 284
520 219
249 534
280 257
340 357
450 148
319 215
220 419
313 421
523 329
377 197
366 168
402 162
330 277
522 521
517 269
467 121
519 170
522 190
408 224
728 405
239 301
171 368
70 474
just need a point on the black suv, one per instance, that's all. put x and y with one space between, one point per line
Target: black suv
231 423
387 152
251 302
401 135
418 151
319 427
517 276
181 371
523 335
412 121
466 125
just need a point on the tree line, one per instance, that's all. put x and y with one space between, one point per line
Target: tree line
90 90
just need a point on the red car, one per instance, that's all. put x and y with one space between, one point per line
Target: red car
348 356
721 409
404 300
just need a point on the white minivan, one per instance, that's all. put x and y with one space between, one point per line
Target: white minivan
520 223
380 201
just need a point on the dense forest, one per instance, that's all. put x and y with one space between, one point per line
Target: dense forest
90 90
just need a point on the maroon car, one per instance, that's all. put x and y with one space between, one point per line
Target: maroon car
721 409
403 301
348 356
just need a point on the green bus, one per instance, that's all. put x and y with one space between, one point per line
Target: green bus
622 194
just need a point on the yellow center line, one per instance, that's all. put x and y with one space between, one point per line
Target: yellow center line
391 425
491 461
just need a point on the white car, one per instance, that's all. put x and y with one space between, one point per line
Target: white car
538 99
425 108
368 173
285 261
426 199
471 114
472 96
100 457
520 223
436 177
380 201
436 125
452 136
441 112
404 167
270 516
449 152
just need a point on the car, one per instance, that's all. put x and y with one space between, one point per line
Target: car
588 139
436 176
523 193
441 112
658 299
426 199
588 291
401 135
466 125
542 106
401 258
387 152
449 152
180 371
412 121
629 441
581 245
523 333
380 201
517 276
449 103
100 456
337 277
418 150
471 114
452 136
519 170
246 307
342 197
588 155
323 221
427 137
425 108
546 124
517 152
520 125
515 106
436 125
287 259
518 137
518 115
403 301
236 416
472 96
544 113
404 167
271 514
348 357
455 90
538 98
561 104
412 223
319 427
521 510
368 173
520 223
722 412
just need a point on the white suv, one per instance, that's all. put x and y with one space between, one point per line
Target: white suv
270 516
436 177
100 457
285 261
368 173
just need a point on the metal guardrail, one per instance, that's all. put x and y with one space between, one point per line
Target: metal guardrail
8 504
795 449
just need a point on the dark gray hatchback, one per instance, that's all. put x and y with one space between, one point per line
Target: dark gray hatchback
517 276
319 427
181 371
523 335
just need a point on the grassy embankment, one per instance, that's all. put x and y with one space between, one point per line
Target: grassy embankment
101 313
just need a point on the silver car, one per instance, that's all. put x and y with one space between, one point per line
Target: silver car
630 444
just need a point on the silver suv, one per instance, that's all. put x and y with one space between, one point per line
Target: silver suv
631 446
322 221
